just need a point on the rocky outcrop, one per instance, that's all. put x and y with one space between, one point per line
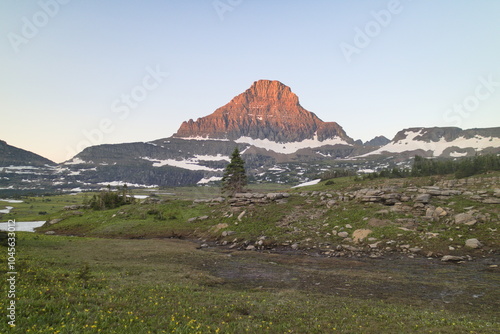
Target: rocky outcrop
267 110
244 199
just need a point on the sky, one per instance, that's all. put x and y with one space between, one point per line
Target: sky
76 73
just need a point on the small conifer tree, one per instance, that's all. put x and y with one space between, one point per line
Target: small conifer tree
234 179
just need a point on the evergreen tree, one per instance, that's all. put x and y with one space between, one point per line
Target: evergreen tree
234 179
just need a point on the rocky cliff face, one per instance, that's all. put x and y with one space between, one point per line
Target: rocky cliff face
267 110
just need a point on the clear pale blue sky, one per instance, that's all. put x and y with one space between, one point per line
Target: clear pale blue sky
62 82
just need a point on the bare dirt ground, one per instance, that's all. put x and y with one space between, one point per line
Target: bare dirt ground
471 286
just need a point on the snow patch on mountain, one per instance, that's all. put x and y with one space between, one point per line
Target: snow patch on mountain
291 147
218 157
191 164
75 161
122 183
203 138
308 183
457 154
410 143
206 180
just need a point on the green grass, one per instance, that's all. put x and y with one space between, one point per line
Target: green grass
38 208
84 285
303 220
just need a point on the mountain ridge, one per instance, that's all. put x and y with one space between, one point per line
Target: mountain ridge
280 141
11 155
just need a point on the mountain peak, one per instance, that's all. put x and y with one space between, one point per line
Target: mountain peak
267 110
271 90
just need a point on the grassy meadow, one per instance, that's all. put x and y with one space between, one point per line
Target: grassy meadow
97 285
139 268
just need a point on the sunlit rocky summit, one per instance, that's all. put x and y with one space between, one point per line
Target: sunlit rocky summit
280 141
265 114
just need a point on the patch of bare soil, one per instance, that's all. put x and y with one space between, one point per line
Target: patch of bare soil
469 287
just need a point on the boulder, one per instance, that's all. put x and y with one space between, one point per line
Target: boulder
440 212
378 222
464 218
452 258
274 196
54 221
491 200
331 203
360 234
423 198
473 243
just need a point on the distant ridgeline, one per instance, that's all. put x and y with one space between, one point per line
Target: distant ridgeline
280 141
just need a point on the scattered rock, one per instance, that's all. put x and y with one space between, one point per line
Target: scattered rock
343 234
228 233
491 200
440 212
240 216
452 258
50 232
350 248
331 203
473 243
360 235
75 207
378 222
250 247
465 218
54 221
423 198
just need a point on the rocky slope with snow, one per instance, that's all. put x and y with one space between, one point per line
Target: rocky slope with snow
442 142
280 141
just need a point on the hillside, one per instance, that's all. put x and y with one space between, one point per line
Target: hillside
13 156
415 217
450 142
